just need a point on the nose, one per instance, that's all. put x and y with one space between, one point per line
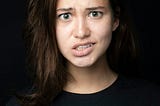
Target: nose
81 29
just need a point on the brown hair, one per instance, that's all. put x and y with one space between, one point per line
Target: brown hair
47 63
124 50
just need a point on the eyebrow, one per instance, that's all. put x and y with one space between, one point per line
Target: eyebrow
64 9
90 8
95 8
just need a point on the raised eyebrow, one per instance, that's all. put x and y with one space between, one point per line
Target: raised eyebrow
64 9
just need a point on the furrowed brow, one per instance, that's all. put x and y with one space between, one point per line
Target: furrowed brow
95 8
64 9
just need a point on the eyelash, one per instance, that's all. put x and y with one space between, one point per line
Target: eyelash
61 16
99 13
91 14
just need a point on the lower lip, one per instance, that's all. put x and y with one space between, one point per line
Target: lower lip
81 53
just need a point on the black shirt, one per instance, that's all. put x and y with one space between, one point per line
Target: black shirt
123 92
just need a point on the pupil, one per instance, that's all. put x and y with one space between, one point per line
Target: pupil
66 16
94 14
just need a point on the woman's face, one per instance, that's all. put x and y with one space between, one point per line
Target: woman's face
84 30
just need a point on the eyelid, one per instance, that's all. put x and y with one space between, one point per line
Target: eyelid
58 15
98 12
61 17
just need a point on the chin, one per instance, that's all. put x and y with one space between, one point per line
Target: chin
83 63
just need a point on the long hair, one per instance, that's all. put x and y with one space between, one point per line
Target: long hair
124 50
44 59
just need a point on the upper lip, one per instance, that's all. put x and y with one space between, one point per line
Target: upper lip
81 44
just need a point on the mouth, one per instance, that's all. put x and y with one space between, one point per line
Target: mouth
85 46
82 46
83 49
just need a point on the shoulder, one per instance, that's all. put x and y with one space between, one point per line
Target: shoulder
141 87
137 91
12 102
139 83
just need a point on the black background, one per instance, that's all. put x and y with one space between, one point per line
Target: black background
12 53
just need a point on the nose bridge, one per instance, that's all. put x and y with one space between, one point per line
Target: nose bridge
81 26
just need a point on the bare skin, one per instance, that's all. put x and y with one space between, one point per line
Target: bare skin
84 32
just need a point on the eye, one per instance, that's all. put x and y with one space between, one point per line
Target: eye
95 14
65 16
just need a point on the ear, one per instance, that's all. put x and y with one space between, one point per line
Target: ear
115 24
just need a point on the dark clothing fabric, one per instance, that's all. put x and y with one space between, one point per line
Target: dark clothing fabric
123 92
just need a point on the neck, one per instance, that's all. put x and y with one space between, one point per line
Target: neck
90 79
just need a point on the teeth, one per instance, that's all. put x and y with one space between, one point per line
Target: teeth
83 47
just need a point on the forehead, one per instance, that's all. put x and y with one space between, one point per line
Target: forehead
81 3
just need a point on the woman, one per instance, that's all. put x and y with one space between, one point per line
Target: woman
77 51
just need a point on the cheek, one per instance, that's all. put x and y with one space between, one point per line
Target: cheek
103 31
63 35
63 32
61 38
